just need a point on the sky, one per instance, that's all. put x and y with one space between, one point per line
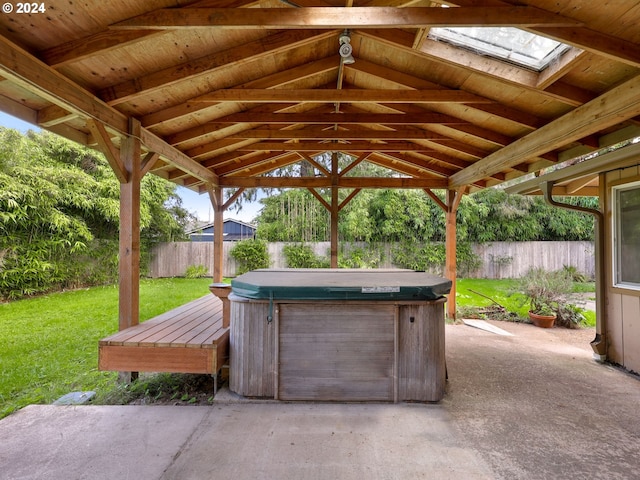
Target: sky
198 204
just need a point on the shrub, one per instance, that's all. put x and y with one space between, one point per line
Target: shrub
196 271
569 316
302 256
360 258
575 274
431 257
250 255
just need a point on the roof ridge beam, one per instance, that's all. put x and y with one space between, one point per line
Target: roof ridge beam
344 18
350 95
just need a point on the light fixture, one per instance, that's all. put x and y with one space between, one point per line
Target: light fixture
346 50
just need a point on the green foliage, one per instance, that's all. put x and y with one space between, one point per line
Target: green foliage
49 343
489 215
59 215
293 216
178 388
573 273
357 257
570 316
431 257
196 271
302 256
545 291
250 255
506 293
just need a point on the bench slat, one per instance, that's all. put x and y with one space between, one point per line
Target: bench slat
175 341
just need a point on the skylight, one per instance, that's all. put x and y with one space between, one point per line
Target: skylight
505 43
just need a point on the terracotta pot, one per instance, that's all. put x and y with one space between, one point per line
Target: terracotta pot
542 321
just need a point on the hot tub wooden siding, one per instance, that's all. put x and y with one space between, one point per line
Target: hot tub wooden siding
338 350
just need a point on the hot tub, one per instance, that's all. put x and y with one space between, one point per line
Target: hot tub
338 335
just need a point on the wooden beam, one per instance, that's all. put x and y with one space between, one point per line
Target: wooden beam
216 196
24 70
322 201
279 79
209 64
246 95
129 261
355 163
357 146
175 157
349 197
385 76
341 118
334 213
494 69
148 163
343 18
453 199
324 182
559 67
109 150
436 199
54 115
18 110
101 42
232 198
251 165
596 42
615 106
332 134
316 165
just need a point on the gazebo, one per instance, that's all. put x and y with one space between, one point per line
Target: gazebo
217 95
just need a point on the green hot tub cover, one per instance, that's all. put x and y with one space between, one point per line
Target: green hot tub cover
340 284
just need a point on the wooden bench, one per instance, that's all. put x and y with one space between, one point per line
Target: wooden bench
188 339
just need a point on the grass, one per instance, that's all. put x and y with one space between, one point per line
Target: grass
500 291
49 344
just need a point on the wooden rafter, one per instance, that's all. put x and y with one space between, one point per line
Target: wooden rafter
338 17
620 102
324 182
341 95
243 54
110 151
343 118
272 81
40 79
581 37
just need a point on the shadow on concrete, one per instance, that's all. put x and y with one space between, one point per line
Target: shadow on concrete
533 406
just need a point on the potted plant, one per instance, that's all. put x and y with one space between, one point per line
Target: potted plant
544 292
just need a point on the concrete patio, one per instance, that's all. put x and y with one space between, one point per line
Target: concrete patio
533 406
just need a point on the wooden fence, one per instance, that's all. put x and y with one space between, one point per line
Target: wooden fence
499 259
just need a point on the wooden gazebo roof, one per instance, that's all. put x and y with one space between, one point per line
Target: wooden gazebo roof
228 91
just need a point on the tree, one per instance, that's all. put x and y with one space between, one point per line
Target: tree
59 214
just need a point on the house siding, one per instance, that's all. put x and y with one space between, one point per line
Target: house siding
622 306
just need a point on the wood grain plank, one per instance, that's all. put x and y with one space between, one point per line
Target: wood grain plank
168 320
336 352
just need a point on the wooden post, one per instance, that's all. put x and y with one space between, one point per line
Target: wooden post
216 196
129 264
335 208
129 267
452 202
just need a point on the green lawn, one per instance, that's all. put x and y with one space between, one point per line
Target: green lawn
49 344
501 292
